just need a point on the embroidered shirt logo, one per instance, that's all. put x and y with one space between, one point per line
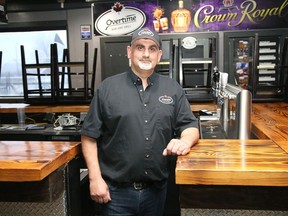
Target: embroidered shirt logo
166 99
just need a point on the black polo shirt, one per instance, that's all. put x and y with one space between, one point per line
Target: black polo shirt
133 126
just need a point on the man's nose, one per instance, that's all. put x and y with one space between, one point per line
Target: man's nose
146 53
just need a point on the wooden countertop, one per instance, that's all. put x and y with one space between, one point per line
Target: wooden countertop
270 121
262 162
234 162
81 108
33 160
49 108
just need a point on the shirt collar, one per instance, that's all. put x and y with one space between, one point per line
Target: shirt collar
137 81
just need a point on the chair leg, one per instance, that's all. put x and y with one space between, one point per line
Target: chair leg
94 72
38 74
24 73
86 68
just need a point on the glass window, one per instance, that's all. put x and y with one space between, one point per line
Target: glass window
11 72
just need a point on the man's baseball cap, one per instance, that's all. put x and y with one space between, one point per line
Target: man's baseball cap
146 33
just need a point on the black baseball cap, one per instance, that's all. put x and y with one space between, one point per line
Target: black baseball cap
146 33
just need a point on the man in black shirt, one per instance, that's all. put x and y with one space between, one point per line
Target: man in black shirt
136 120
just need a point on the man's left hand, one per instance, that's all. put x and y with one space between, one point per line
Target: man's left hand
176 147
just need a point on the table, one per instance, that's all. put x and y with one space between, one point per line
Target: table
39 178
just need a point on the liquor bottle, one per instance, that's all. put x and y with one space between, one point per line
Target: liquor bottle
180 18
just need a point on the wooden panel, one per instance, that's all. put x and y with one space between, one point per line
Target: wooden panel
84 108
71 108
33 160
234 162
195 107
47 109
271 120
283 144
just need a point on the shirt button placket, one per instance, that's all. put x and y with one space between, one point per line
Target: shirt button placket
147 132
146 127
147 138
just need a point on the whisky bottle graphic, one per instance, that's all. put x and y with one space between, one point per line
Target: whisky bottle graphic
180 18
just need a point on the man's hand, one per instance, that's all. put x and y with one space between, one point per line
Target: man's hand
182 146
99 191
177 147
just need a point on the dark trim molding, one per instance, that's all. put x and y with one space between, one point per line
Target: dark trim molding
34 26
23 6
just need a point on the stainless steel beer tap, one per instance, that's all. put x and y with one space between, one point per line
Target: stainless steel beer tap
216 86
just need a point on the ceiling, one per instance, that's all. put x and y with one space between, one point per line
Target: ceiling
44 5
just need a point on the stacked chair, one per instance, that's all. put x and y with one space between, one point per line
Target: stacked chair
65 82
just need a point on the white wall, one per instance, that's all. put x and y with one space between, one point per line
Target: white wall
75 19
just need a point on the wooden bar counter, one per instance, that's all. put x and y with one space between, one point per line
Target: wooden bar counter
40 178
219 174
240 174
234 162
262 162
22 161
270 121
46 108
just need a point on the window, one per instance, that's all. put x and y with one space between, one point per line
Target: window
11 71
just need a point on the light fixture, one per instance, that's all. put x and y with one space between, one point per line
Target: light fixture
3 14
61 3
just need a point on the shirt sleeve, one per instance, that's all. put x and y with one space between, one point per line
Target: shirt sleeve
184 116
92 125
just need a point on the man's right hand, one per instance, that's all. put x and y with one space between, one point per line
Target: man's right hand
99 191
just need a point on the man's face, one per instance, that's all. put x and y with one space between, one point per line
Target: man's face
144 55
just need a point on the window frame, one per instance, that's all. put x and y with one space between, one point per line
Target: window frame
28 27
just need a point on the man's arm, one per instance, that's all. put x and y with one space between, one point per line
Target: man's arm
99 190
182 146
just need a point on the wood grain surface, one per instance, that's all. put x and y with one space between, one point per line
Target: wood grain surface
261 162
270 121
234 162
33 160
49 108
84 108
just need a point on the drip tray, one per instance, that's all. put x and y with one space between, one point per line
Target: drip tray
211 129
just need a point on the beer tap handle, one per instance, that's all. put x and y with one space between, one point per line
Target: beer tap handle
216 77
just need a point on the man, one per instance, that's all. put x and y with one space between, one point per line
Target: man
129 133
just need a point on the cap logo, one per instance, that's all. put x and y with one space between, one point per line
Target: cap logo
145 32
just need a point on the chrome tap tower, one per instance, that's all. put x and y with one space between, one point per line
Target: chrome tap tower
243 101
235 105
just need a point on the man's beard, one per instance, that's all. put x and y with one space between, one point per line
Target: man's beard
145 65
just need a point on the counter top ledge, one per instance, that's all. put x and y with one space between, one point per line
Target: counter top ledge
234 162
22 161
